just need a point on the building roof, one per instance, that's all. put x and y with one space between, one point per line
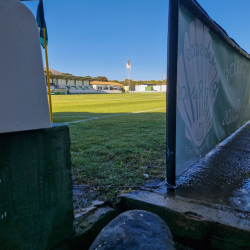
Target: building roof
69 77
106 83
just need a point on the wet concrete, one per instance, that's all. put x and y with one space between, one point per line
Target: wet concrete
222 176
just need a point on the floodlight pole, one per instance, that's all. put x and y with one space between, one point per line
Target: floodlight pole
129 79
172 92
128 67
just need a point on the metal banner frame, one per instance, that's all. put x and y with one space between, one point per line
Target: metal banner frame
171 89
219 33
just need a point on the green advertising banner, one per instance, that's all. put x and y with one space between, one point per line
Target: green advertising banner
213 88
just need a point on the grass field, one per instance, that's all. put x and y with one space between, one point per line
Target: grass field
115 138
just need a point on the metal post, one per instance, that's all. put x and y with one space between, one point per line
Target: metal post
172 91
48 79
128 67
129 80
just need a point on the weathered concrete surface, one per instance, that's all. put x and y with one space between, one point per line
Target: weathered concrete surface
87 227
194 225
36 209
134 230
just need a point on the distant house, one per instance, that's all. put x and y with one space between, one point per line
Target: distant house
106 86
126 88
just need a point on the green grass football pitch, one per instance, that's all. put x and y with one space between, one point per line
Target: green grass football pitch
115 138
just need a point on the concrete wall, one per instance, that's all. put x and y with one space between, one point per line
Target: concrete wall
160 87
78 83
126 88
163 87
101 87
141 88
62 82
86 83
36 209
23 97
95 87
157 88
71 83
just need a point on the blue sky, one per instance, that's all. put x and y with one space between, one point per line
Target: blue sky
233 16
95 37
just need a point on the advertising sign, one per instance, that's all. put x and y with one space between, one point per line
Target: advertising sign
213 88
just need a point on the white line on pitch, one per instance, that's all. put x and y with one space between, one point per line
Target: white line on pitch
70 116
107 116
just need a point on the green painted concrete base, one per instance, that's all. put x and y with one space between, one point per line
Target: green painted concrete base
199 226
36 208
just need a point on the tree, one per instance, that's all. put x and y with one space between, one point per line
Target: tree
102 79
140 82
164 82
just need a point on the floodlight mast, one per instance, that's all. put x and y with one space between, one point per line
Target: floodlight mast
128 67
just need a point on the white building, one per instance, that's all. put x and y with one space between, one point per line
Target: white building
161 88
108 87
143 88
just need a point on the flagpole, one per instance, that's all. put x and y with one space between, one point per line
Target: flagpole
48 79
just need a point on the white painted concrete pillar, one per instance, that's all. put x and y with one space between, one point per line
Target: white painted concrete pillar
23 95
